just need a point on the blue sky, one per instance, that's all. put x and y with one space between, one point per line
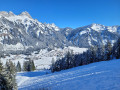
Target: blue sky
67 13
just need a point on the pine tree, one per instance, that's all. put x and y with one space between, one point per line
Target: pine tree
8 76
93 56
29 65
32 66
1 66
10 69
3 83
24 66
52 64
18 67
68 60
108 49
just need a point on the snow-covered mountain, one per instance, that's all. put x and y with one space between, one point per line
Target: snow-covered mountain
22 32
94 34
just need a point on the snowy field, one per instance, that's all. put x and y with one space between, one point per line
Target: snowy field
43 59
103 75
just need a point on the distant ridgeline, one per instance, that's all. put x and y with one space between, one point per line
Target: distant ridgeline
23 34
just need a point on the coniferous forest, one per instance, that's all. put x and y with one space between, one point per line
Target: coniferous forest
93 54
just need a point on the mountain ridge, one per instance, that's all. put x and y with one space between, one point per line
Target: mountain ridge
22 32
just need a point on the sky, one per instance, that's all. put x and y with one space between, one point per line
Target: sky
67 13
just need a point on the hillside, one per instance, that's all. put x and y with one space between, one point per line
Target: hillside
103 75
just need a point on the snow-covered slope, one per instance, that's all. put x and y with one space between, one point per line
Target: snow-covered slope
103 75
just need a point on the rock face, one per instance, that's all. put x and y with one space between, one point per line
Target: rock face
94 34
22 32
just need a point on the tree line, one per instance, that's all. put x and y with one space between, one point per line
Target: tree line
27 66
8 73
93 54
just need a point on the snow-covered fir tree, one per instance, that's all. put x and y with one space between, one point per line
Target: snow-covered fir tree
7 76
29 65
18 67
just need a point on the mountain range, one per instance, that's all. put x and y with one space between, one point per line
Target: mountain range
22 32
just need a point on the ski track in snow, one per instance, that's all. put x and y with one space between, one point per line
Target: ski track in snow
63 80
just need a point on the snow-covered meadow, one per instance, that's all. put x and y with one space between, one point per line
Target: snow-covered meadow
103 75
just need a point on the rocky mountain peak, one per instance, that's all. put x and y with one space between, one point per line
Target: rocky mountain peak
11 13
25 14
3 13
6 14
